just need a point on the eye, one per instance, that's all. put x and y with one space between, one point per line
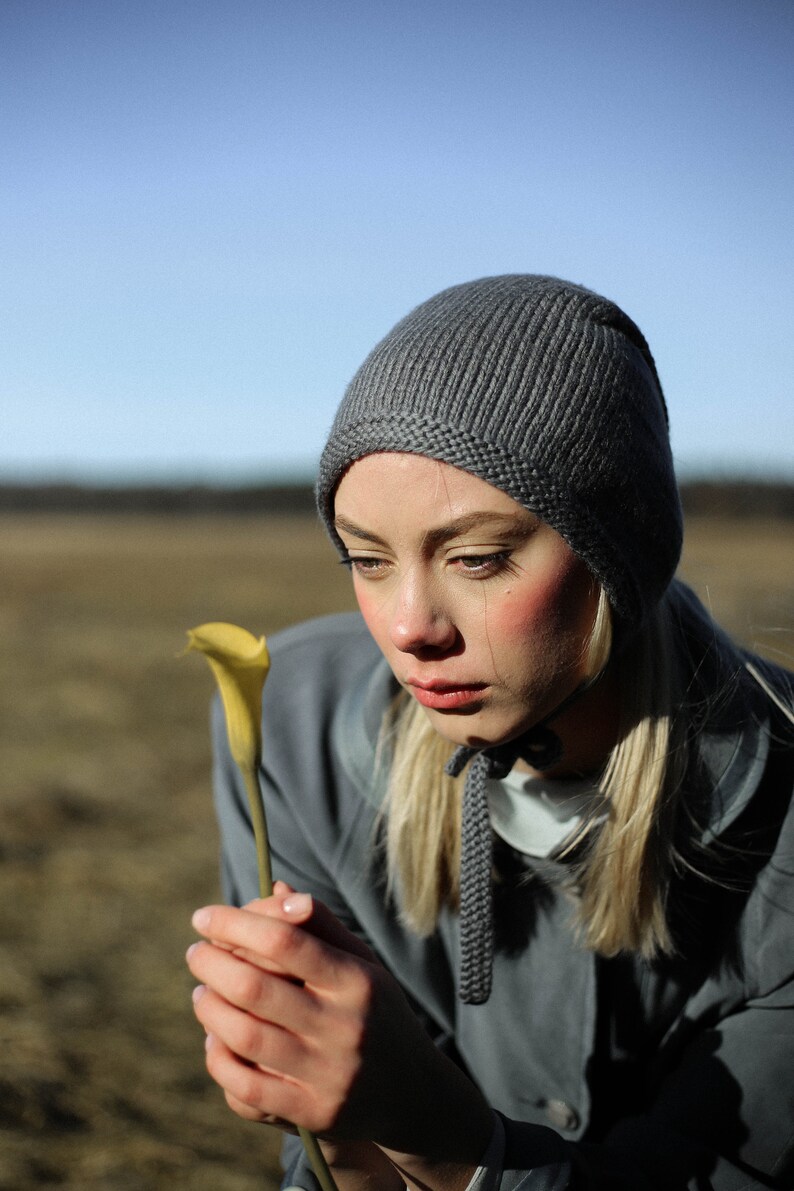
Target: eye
483 565
369 568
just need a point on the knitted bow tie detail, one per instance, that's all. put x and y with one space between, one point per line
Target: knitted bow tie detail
541 748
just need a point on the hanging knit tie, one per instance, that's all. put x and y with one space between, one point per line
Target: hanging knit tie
541 748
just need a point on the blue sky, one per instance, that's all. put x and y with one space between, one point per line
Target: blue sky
211 211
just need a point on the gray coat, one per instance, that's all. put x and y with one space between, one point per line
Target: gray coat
618 1074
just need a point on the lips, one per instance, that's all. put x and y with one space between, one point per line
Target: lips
446 696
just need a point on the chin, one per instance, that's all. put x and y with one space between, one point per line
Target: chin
474 730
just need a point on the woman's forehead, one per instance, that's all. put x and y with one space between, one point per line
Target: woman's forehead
390 485
386 467
409 473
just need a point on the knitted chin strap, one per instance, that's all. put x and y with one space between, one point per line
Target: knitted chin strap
539 747
542 749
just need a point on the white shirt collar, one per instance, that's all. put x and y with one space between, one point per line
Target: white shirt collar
536 814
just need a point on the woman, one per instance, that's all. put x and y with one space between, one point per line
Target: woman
582 978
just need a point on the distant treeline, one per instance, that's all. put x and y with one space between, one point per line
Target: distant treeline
707 497
738 498
188 498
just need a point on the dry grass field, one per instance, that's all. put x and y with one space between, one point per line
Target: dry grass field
107 840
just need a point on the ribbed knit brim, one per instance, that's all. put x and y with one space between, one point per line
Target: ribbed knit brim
545 390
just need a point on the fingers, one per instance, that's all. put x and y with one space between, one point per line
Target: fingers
262 1095
249 987
266 935
247 1088
269 1046
315 917
285 997
278 1024
295 1029
251 1113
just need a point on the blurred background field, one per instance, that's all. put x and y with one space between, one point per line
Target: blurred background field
107 838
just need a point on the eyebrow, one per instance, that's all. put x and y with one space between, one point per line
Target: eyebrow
443 533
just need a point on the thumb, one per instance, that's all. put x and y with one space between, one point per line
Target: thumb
309 912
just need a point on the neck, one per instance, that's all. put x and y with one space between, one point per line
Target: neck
588 730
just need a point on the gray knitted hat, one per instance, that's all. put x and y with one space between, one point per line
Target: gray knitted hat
545 390
550 393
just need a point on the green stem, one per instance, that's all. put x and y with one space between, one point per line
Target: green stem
317 1159
257 807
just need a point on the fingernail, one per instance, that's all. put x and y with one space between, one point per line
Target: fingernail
190 950
198 993
201 919
299 904
208 1041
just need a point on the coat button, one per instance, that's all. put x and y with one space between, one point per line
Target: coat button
562 1115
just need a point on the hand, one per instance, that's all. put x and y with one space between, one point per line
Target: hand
306 1026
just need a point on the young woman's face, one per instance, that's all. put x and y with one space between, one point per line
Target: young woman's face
482 610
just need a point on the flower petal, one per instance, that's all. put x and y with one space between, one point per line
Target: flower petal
240 662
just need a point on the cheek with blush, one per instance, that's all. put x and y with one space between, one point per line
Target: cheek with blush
369 606
545 620
374 609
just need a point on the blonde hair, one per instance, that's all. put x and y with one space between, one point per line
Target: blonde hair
621 884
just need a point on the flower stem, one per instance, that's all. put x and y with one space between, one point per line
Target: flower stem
257 807
317 1160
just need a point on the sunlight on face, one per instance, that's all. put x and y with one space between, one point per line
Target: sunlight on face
482 610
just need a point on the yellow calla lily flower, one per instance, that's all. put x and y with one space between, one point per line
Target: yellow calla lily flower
240 662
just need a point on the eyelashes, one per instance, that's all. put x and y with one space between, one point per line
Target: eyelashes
474 566
365 566
485 565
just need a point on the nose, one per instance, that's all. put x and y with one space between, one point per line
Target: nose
420 622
